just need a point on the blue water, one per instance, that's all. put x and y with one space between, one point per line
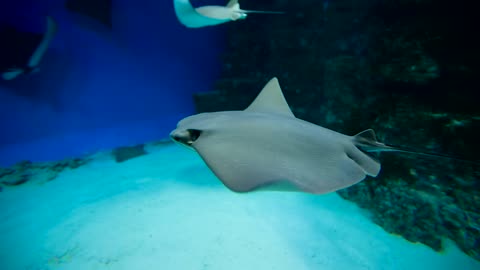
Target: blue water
99 88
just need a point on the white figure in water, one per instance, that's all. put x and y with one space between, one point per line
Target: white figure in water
34 61
211 15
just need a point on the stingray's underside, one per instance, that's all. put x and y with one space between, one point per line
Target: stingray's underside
289 160
189 17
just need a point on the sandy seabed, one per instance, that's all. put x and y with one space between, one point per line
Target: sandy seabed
166 210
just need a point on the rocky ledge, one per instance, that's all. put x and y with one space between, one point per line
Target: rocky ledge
395 66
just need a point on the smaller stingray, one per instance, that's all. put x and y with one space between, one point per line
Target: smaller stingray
265 147
211 15
37 55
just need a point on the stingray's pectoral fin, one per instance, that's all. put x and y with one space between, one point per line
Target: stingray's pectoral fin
12 73
367 163
366 141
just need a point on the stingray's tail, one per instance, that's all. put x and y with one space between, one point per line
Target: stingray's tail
367 141
262 11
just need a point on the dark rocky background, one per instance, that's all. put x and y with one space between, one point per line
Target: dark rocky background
406 68
98 10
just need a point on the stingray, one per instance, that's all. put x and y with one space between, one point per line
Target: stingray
37 55
265 147
212 14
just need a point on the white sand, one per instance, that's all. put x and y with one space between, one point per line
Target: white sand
167 211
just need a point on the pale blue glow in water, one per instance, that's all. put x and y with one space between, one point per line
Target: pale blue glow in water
166 210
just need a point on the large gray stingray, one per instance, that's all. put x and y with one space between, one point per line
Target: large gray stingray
267 147
211 15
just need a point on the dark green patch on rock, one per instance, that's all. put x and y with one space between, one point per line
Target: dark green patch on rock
5 171
122 154
39 173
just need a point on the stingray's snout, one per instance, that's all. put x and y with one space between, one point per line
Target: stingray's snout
186 136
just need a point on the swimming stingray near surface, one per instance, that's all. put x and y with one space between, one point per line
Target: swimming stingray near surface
211 14
36 57
265 147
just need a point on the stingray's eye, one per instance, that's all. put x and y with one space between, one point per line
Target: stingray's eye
194 134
